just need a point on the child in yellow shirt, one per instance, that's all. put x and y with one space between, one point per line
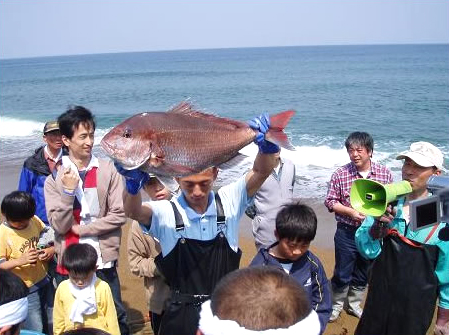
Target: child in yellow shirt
19 237
83 300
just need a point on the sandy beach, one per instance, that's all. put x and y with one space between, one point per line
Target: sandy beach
132 287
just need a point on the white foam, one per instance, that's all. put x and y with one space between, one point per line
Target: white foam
11 127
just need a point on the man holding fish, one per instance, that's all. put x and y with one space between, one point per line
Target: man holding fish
198 231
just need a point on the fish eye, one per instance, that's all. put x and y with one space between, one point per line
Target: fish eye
127 133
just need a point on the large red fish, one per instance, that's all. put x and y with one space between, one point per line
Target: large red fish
184 141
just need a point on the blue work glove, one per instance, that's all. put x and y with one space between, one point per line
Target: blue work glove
262 124
135 179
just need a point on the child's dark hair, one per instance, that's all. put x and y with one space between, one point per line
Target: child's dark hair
11 288
18 206
80 258
296 222
360 138
72 118
85 331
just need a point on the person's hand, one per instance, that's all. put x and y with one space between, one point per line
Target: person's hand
262 125
75 229
378 230
442 324
46 254
135 179
357 216
380 227
69 179
29 257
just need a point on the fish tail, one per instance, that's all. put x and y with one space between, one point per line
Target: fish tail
279 121
276 132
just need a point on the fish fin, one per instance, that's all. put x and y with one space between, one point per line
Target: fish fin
233 162
276 132
168 182
173 170
186 108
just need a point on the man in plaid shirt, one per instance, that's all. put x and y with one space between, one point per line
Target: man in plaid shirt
350 272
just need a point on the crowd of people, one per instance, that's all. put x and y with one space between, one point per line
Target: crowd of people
61 233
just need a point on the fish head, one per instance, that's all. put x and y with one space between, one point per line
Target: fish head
130 143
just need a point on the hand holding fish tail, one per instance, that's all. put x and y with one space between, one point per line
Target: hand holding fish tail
262 125
135 179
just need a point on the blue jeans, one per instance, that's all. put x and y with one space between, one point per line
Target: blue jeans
350 267
40 310
110 276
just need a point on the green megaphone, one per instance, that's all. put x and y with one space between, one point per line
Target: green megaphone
371 198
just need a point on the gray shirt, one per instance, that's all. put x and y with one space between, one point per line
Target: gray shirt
275 192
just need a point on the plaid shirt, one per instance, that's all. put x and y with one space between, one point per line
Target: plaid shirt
340 187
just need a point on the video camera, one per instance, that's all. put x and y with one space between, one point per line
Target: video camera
371 198
434 209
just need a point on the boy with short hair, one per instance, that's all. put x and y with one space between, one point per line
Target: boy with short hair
142 250
19 237
296 226
13 303
258 300
83 300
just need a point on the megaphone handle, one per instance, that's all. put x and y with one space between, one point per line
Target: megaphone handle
394 203
379 229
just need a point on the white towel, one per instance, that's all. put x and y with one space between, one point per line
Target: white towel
79 193
13 312
85 303
210 324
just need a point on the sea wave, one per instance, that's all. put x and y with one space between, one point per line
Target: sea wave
12 127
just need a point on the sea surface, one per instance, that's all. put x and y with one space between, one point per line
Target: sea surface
397 93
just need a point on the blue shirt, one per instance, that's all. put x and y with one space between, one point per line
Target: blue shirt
370 248
199 226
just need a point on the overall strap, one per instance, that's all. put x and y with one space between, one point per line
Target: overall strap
178 218
403 238
221 218
431 233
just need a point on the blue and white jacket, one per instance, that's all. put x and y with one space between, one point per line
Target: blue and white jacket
309 272
32 178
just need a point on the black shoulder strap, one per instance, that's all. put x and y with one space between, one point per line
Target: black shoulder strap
178 218
221 218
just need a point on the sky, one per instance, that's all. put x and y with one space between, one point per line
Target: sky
32 28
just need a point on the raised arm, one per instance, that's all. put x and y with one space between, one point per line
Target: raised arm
263 165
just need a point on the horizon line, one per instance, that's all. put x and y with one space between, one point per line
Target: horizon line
224 48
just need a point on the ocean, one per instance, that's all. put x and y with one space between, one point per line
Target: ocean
397 93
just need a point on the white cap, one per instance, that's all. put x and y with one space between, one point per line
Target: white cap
424 154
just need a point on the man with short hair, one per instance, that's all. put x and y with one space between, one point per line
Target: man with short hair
41 164
198 232
13 303
84 203
351 269
258 300
406 276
